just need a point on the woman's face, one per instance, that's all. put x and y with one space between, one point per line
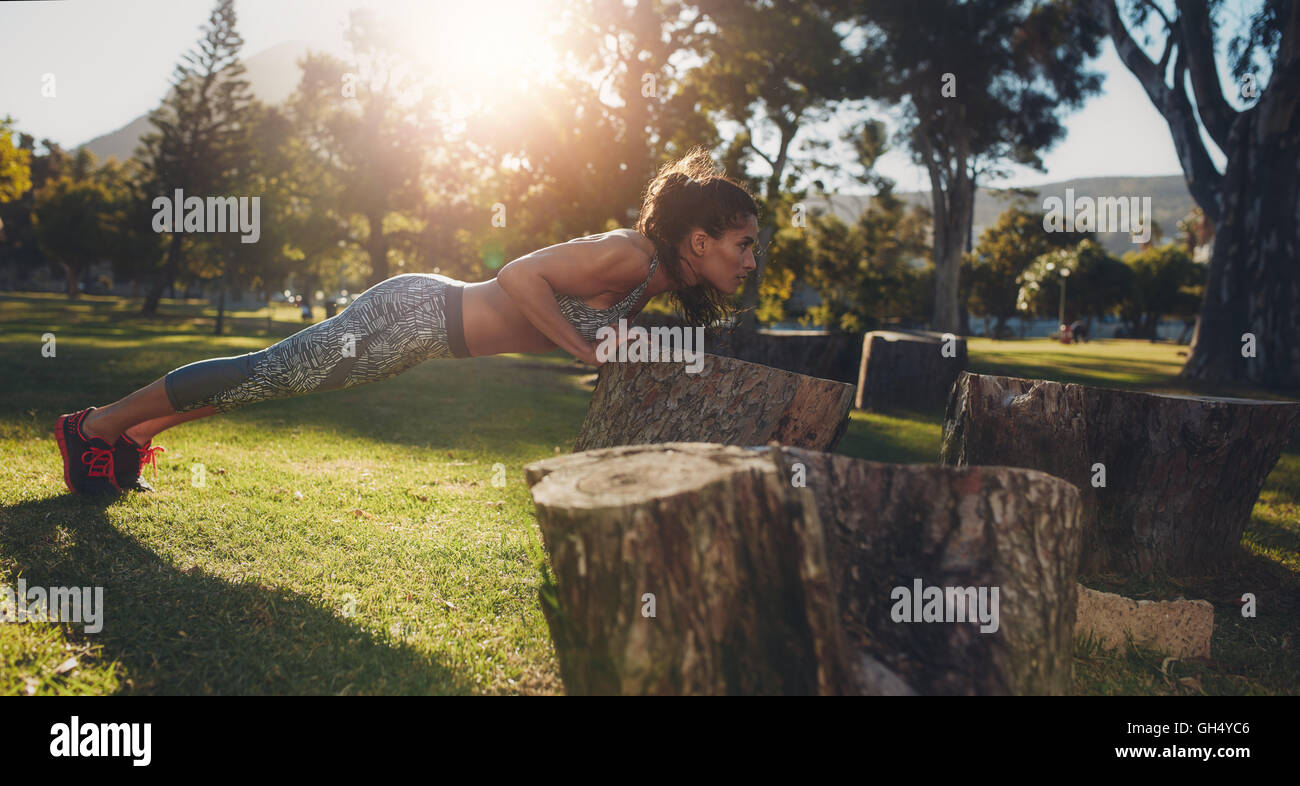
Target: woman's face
723 262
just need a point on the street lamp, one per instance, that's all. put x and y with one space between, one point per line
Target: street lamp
1065 273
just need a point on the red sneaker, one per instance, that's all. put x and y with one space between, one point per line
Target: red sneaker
87 461
129 458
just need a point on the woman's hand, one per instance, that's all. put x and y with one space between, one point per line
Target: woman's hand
589 357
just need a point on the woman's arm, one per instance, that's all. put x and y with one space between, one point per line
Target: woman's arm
580 268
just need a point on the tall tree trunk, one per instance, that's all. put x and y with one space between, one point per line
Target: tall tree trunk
221 310
749 298
166 277
74 276
951 195
1254 280
377 248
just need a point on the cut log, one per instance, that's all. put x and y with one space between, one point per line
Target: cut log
729 401
764 586
742 598
1180 473
824 354
911 370
899 526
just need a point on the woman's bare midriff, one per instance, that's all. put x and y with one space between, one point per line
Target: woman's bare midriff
495 325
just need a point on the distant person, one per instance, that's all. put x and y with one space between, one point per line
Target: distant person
306 311
1065 334
694 238
1079 330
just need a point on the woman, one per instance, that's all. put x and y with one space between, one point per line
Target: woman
694 239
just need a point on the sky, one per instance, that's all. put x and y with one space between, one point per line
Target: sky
111 60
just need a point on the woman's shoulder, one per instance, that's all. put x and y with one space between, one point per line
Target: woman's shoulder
629 256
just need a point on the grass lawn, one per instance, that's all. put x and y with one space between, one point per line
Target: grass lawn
356 542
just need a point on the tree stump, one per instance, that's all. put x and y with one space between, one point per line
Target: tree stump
913 370
762 586
824 354
1181 473
729 401
892 525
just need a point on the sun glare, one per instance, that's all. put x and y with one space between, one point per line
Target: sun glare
488 47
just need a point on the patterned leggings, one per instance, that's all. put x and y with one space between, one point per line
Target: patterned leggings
389 328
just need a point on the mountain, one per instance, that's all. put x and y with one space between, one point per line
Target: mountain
272 73
1170 202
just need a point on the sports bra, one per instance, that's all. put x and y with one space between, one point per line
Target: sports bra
589 320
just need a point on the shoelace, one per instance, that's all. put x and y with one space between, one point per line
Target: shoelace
149 455
99 461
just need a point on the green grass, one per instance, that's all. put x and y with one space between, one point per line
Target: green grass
354 542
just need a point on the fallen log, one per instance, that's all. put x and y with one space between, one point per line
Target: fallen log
758 584
1167 481
728 401
912 370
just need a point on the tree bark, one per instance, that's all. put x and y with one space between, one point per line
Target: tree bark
1253 283
907 370
729 401
822 354
763 587
889 525
1181 473
743 603
165 277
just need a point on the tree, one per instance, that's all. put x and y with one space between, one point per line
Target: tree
15 165
864 272
19 247
1097 285
371 121
774 67
981 82
1166 282
1006 249
73 224
201 130
134 249
1254 280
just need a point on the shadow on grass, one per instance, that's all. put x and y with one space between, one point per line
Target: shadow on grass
184 632
475 403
